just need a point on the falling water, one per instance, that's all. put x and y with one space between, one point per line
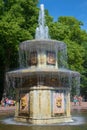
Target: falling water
41 45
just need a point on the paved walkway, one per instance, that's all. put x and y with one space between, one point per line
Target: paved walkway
11 109
7 110
83 106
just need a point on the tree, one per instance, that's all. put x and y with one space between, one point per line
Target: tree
68 29
18 20
84 73
64 30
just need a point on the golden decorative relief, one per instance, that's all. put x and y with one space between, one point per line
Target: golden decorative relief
59 102
33 58
23 102
51 59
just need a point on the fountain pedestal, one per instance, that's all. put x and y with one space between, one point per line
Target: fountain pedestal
45 105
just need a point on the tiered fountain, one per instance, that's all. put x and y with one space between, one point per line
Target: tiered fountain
42 83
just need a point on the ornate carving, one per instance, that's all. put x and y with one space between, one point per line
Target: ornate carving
59 102
51 58
24 102
33 58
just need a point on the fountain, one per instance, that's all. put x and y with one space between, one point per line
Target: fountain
43 83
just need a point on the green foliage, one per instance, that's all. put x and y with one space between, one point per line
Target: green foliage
70 21
48 18
75 56
85 56
18 20
84 73
17 23
58 31
68 29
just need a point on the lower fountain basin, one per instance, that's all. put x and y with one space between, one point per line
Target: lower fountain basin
79 123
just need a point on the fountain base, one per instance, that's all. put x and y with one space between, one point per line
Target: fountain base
43 105
44 120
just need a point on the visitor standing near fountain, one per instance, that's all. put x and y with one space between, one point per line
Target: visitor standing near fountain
42 83
75 100
80 99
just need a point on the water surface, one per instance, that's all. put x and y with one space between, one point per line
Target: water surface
79 123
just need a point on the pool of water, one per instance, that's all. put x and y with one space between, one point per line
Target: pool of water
79 123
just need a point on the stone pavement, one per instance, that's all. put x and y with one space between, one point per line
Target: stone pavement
83 106
7 110
11 110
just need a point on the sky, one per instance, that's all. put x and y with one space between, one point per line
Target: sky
76 8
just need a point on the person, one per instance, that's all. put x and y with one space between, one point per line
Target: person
2 102
6 101
75 100
80 100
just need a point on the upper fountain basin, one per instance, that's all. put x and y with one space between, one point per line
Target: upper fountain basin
29 44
